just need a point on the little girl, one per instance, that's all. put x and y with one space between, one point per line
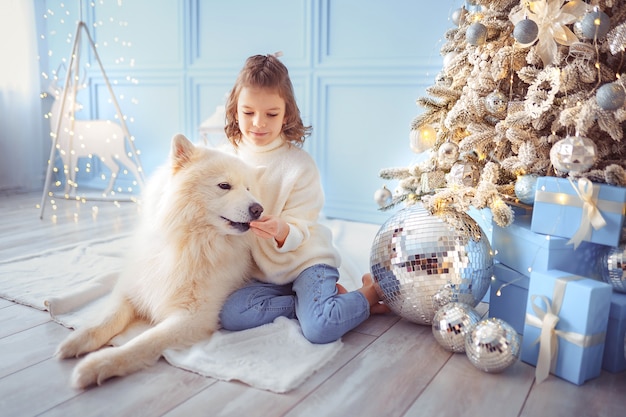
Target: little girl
296 270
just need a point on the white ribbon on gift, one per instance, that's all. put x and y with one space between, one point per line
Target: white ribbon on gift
547 320
591 215
588 200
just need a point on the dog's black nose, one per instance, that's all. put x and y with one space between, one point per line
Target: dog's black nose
255 210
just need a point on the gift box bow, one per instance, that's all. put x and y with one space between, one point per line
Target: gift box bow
587 198
546 320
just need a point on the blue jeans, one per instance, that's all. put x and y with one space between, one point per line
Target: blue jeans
324 315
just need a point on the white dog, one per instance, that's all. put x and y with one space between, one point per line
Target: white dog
191 251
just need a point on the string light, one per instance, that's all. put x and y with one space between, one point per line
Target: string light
506 284
57 18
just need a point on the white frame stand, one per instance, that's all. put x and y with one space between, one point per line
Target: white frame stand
73 71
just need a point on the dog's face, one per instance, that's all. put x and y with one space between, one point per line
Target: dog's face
217 188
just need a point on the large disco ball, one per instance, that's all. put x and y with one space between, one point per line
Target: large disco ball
416 254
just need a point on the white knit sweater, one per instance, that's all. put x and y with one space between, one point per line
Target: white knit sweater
290 188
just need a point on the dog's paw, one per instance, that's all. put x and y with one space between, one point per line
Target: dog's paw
96 368
71 347
84 378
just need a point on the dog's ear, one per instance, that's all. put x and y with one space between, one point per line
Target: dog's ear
182 149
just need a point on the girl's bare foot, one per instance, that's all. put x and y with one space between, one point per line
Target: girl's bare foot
369 291
341 289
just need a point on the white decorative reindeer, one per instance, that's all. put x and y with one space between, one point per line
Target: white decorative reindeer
87 138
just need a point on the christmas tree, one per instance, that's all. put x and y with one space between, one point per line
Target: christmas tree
527 89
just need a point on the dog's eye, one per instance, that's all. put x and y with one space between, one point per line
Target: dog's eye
224 185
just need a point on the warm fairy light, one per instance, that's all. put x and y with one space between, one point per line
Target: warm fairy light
499 290
476 17
61 16
499 204
423 138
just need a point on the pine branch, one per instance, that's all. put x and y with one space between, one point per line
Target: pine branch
394 173
446 93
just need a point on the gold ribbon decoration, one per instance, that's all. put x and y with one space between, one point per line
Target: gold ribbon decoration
548 339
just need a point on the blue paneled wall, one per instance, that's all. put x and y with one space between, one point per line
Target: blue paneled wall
357 67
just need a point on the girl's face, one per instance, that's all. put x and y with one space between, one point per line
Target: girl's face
260 114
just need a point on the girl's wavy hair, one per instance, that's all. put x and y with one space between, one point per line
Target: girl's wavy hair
266 71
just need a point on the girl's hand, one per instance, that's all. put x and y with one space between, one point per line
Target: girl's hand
271 226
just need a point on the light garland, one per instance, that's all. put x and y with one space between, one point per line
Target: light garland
58 18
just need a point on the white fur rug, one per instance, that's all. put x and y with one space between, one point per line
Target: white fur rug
71 282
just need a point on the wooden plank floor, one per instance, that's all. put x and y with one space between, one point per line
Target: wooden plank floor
387 367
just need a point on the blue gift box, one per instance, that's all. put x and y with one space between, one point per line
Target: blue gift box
523 250
567 313
614 360
509 292
559 210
